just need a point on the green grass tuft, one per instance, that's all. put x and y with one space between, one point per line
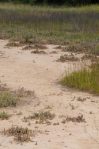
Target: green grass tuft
7 99
85 80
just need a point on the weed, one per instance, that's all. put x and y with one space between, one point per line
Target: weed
21 92
77 119
3 87
4 115
20 134
28 47
85 80
81 99
42 117
38 52
14 44
7 99
65 58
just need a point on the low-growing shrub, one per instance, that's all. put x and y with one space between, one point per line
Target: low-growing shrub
20 134
42 117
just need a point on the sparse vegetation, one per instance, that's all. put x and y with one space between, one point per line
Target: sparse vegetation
20 134
4 116
42 117
78 119
14 44
38 52
85 80
65 58
22 92
7 99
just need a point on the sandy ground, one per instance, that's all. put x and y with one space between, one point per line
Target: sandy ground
40 73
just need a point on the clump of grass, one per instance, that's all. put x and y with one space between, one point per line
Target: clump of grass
4 115
85 80
20 134
28 47
42 117
14 44
7 99
77 119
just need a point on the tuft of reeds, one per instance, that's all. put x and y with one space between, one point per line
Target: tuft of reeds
85 79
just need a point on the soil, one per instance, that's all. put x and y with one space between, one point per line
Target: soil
40 73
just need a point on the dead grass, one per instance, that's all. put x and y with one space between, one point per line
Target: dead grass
38 52
28 47
20 134
81 99
3 87
14 44
80 48
78 119
65 58
22 92
42 117
91 57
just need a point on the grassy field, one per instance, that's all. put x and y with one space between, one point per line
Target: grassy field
48 24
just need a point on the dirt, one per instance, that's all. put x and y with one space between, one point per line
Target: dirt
40 73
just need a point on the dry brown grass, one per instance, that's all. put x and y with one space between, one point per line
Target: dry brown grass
20 134
42 117
38 52
78 119
65 58
14 44
22 92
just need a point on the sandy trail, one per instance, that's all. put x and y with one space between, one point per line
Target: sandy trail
40 73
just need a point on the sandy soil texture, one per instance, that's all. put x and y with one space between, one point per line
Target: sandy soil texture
40 73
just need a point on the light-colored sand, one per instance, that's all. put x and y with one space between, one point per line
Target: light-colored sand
40 73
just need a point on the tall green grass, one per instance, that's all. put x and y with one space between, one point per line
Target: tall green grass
85 80
43 23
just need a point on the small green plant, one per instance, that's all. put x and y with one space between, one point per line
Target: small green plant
85 80
4 115
7 99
